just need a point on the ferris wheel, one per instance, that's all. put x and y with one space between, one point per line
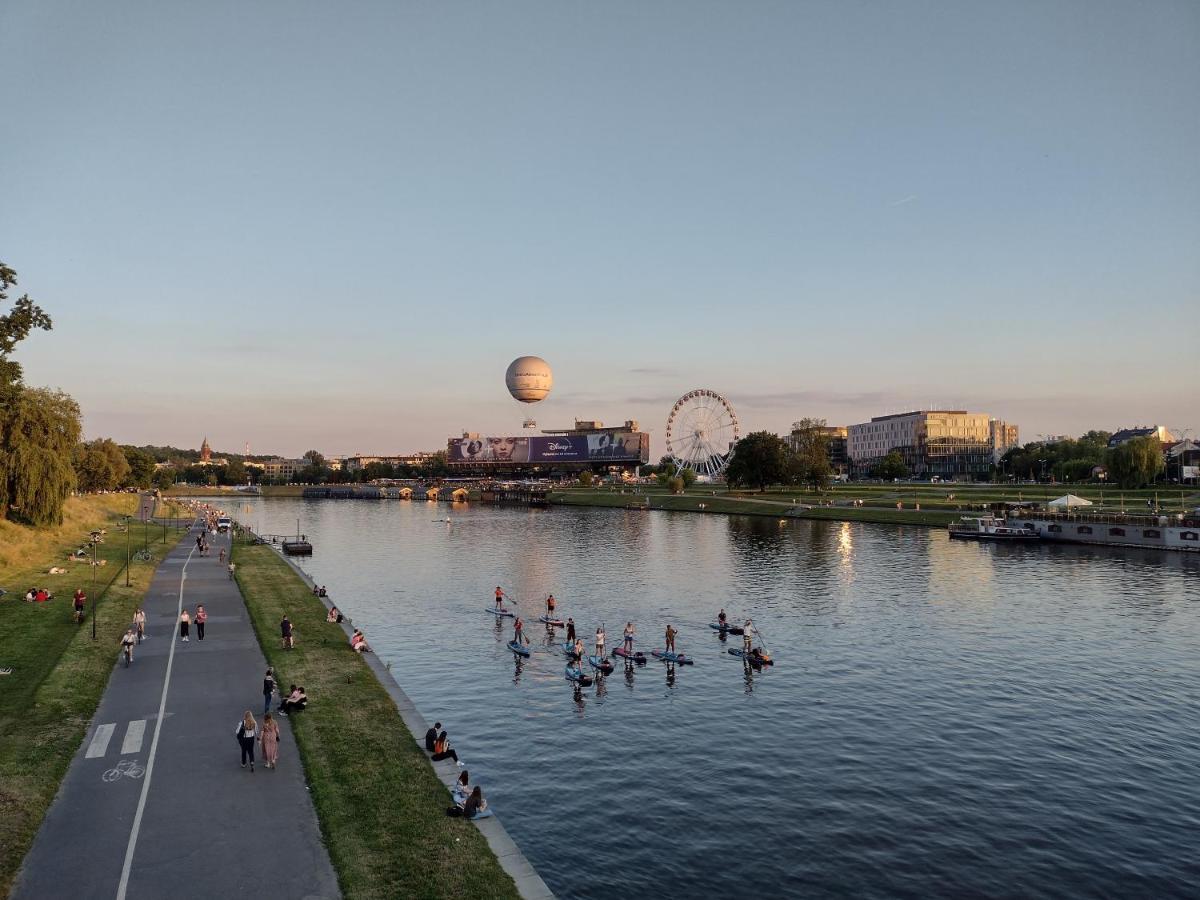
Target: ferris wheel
701 431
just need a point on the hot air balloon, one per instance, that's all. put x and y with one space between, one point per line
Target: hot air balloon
529 379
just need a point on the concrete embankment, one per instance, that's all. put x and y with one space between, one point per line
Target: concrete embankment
380 799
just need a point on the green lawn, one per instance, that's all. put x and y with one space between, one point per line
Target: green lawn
382 809
59 673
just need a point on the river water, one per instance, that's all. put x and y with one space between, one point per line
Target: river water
944 719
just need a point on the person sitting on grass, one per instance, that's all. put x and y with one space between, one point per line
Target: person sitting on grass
334 615
295 701
358 642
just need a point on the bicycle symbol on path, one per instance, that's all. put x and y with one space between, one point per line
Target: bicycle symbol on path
127 767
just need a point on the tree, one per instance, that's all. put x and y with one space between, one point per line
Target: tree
809 462
760 458
141 466
688 476
163 478
1136 462
39 435
675 483
891 466
100 465
585 478
235 472
315 459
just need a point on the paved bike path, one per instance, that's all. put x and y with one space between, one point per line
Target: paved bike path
207 827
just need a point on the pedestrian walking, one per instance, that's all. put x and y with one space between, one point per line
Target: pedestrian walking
247 733
201 618
232 569
270 741
80 604
222 556
269 687
185 622
285 629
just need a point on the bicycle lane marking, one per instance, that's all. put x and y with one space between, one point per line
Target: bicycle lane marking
162 708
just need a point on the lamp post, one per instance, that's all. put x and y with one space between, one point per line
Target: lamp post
95 599
127 518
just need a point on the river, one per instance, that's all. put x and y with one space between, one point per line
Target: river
944 719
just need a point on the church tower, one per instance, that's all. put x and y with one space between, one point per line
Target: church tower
205 451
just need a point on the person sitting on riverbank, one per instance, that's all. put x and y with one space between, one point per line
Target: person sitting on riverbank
462 787
334 615
316 591
442 749
295 701
472 806
431 736
358 642
322 592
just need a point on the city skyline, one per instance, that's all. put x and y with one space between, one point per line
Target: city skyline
335 231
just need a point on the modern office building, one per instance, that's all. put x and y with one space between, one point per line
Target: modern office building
949 443
280 469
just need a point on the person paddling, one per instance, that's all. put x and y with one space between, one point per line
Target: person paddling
570 629
499 599
747 636
721 618
550 602
577 654
670 638
519 632
600 641
629 632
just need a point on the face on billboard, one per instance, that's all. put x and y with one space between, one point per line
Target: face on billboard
508 449
612 446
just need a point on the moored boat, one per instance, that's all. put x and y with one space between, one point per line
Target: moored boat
989 528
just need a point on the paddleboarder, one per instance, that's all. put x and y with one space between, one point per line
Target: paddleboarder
670 638
600 641
628 633
577 653
747 636
518 631
499 599
550 607
570 629
721 618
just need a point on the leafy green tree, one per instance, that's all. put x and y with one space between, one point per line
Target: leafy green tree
688 476
141 466
235 472
100 465
891 466
809 458
675 483
759 459
1136 462
315 459
164 478
41 429
585 478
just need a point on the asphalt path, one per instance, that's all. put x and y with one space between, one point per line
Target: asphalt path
155 802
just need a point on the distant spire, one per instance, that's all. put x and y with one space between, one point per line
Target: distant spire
205 451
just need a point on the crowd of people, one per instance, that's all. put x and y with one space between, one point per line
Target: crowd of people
468 800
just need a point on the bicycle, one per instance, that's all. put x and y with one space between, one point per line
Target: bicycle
143 556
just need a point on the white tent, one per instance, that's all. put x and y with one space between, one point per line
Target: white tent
1069 501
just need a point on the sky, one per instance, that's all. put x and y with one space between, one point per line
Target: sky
312 225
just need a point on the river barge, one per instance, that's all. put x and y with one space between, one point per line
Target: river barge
1176 532
990 528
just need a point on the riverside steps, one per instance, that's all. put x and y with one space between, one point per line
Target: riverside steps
154 803
511 859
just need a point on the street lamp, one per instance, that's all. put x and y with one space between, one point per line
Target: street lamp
127 518
95 598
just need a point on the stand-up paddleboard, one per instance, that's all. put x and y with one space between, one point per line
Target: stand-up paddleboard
502 612
673 657
637 656
577 676
754 660
604 666
519 649
728 629
557 623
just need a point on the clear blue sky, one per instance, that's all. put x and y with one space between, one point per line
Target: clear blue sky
333 225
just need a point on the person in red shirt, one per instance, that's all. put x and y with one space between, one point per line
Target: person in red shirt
200 618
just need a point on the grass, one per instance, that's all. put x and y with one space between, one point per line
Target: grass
381 808
59 673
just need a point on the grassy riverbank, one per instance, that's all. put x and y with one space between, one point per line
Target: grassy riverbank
912 504
381 808
58 672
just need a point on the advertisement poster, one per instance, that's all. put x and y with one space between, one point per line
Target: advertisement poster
618 447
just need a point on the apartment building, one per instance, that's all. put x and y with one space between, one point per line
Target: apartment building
949 443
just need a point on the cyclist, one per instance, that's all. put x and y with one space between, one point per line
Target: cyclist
139 623
127 643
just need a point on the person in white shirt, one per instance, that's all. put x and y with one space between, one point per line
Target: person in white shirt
747 636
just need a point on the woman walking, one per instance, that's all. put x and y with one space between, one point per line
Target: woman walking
185 622
201 618
269 688
269 741
247 732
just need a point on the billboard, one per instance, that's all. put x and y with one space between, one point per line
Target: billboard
616 447
1192 472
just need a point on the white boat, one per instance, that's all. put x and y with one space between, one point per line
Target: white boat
990 528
